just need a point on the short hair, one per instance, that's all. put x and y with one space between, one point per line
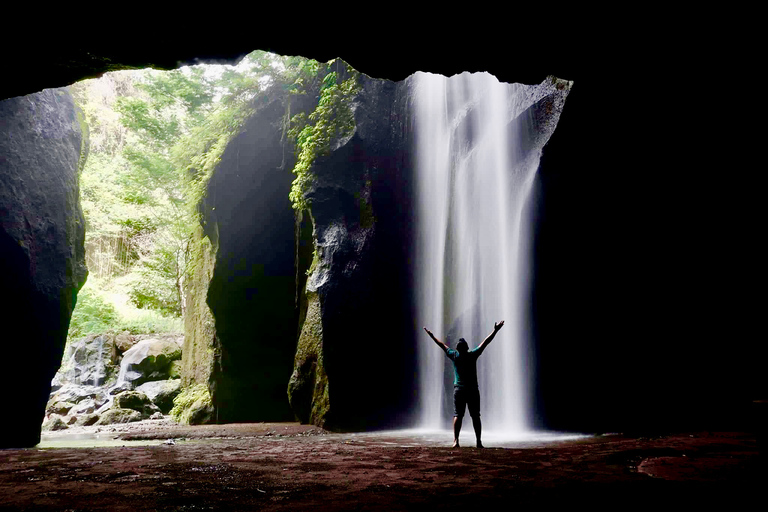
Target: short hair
462 346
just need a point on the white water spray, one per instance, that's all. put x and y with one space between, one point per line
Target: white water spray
472 186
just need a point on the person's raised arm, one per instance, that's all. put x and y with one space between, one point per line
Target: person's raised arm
490 337
439 343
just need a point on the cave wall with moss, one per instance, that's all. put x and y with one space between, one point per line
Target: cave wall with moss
42 256
360 203
356 353
252 288
200 344
332 280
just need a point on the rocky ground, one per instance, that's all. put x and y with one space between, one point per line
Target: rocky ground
269 466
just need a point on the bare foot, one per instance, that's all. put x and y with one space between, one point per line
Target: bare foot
455 444
480 445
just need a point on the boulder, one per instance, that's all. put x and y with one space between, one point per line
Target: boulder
75 393
43 145
161 392
118 415
86 420
54 422
119 388
87 406
137 401
199 413
149 359
124 341
89 361
59 407
193 406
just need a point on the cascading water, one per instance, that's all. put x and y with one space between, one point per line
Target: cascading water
472 186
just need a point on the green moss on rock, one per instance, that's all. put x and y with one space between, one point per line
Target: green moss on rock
54 422
176 370
136 401
193 406
308 386
199 324
118 415
86 420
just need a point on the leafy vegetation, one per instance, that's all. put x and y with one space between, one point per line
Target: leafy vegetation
331 120
155 139
99 311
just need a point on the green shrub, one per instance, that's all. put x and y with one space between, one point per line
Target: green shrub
92 314
149 290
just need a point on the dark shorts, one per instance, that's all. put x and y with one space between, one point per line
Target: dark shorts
463 398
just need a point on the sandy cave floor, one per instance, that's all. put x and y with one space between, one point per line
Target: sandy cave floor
287 466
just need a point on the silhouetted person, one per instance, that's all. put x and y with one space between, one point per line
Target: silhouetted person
465 390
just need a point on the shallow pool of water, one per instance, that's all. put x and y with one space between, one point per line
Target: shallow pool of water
491 439
89 440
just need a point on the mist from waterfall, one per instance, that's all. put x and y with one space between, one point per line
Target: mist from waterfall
472 242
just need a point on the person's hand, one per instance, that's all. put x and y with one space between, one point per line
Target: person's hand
497 326
428 331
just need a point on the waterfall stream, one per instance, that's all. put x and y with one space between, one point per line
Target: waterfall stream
472 241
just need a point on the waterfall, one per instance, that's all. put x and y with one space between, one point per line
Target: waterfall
472 186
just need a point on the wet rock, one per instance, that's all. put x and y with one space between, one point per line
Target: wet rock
59 407
118 415
137 401
76 401
87 406
150 359
55 422
124 341
76 394
119 388
90 361
86 420
157 416
161 393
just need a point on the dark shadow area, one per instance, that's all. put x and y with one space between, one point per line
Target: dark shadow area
642 259
35 327
253 291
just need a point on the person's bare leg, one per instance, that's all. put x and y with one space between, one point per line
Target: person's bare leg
478 430
456 430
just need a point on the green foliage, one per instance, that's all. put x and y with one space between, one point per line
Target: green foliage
155 139
140 117
92 313
97 312
148 289
150 322
332 120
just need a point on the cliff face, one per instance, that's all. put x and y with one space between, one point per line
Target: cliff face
320 301
241 335
42 258
354 366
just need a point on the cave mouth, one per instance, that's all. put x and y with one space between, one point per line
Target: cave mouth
155 139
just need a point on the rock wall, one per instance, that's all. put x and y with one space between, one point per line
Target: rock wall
241 335
356 349
43 145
